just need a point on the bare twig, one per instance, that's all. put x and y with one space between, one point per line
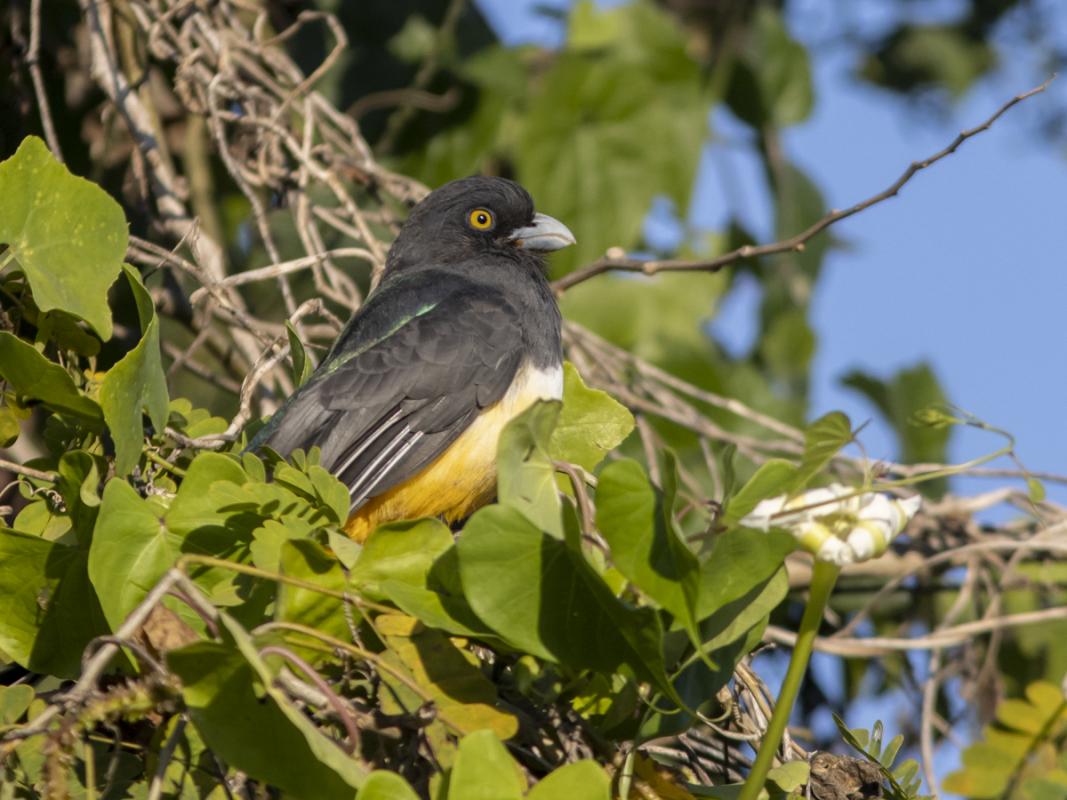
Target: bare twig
29 472
620 262
936 640
34 64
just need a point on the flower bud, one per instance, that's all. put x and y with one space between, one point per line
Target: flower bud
835 524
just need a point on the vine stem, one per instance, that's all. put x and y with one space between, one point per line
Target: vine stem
823 579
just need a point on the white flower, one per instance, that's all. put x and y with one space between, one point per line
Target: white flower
834 523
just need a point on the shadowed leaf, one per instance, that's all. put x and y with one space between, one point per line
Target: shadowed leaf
136 382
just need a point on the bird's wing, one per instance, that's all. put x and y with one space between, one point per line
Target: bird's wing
380 411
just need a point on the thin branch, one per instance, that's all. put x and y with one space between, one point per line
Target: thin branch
331 697
282 268
874 646
34 64
617 260
155 790
29 472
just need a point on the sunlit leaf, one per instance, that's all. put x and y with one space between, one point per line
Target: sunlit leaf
383 785
14 701
591 424
774 477
484 770
10 426
823 439
772 81
464 697
403 551
603 109
582 780
789 776
526 478
67 234
131 550
740 561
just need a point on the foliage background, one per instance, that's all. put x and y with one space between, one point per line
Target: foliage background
610 123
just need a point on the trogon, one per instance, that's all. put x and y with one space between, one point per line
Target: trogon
461 335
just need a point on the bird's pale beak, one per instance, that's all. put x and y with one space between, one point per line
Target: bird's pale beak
546 233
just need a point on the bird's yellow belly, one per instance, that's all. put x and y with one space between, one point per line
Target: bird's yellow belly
463 478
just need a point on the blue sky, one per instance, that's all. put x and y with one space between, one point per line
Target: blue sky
965 269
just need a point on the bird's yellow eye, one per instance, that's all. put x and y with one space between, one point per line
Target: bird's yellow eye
480 219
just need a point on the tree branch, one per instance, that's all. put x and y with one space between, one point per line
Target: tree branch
617 260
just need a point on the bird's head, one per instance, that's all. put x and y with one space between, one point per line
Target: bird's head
472 218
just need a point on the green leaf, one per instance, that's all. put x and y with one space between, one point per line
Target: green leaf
10 426
582 780
774 477
131 550
194 507
923 56
484 771
272 536
216 513
436 609
822 440
789 776
478 130
899 399
384 785
698 683
772 81
68 235
302 366
889 754
413 564
736 618
464 697
230 696
48 611
306 560
603 106
787 345
543 598
739 561
637 522
798 204
591 424
331 493
14 701
661 319
32 375
401 551
526 478
136 382
78 483
40 519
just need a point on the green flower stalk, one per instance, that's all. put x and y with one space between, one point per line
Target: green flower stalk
822 585
838 526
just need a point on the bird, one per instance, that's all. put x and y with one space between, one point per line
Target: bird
461 335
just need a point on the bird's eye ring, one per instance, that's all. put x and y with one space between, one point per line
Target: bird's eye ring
481 219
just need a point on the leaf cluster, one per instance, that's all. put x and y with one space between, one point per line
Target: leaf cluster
579 596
